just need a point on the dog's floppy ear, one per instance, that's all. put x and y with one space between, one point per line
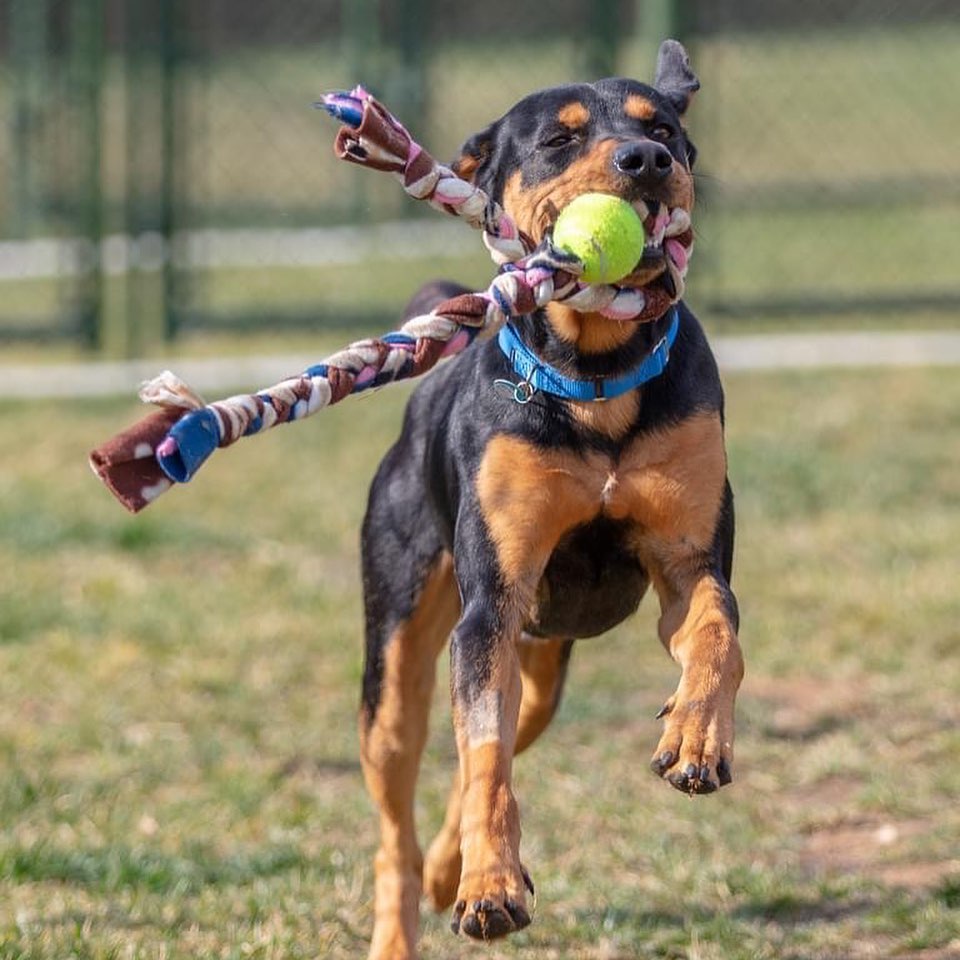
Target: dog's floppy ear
474 154
674 79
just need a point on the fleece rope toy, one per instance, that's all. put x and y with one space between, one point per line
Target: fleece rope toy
169 446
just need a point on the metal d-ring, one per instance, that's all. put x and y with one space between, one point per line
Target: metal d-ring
522 392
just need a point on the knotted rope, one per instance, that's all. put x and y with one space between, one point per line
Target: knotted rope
169 446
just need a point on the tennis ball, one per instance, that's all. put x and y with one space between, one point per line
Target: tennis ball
603 232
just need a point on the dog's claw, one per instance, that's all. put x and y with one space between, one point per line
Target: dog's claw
493 913
662 712
661 763
527 882
705 783
487 921
518 914
693 754
692 779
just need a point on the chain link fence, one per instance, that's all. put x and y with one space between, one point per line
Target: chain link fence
162 171
831 142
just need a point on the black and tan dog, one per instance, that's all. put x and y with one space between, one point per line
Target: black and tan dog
512 529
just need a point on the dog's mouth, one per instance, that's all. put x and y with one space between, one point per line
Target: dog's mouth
661 224
668 237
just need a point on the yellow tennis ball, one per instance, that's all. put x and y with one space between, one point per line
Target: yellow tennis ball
605 233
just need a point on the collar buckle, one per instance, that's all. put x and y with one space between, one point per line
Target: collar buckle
662 349
521 392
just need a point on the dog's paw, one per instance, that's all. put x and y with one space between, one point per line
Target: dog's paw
695 753
488 908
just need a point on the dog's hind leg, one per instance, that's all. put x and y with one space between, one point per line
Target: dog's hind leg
543 669
412 604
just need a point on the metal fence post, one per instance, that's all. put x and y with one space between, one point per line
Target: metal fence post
146 207
29 23
411 83
86 86
658 19
170 33
361 34
603 34
135 128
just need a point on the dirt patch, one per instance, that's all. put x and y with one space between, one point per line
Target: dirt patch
878 849
850 845
840 837
918 874
804 708
834 793
950 952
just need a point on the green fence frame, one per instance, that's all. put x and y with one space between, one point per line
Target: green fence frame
58 96
151 46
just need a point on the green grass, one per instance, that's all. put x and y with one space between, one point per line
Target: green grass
178 772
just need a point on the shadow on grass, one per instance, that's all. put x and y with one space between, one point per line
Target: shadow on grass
788 910
783 909
813 730
115 868
299 764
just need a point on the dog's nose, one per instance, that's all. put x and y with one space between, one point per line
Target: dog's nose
644 160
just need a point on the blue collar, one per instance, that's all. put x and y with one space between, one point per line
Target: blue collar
535 375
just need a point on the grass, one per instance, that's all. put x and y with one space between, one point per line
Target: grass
178 690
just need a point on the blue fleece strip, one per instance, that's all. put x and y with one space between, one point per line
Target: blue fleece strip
196 436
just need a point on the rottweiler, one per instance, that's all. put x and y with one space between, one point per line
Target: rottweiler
513 523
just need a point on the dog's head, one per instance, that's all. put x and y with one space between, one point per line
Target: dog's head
616 136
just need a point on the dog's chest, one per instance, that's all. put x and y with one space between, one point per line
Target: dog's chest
616 498
592 581
661 490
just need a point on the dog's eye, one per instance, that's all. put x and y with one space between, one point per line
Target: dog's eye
662 132
559 140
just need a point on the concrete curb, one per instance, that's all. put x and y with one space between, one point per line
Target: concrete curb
764 352
805 350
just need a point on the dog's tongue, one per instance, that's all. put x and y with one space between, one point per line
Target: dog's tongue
657 219
677 252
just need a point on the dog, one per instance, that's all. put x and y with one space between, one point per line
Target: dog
513 525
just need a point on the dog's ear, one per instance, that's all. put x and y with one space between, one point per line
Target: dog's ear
674 79
475 154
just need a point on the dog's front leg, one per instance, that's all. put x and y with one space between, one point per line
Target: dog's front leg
699 628
677 493
486 688
524 503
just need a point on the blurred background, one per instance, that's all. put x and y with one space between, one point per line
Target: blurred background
162 172
178 756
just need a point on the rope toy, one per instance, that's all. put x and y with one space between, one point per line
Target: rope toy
170 445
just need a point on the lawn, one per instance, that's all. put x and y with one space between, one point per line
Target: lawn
178 772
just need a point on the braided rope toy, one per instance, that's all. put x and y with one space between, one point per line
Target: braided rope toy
169 446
